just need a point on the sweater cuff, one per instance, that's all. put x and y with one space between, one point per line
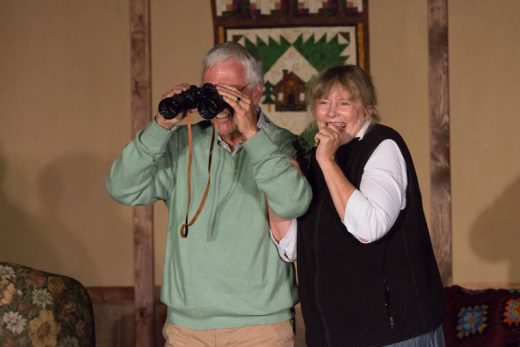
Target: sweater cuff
259 146
155 138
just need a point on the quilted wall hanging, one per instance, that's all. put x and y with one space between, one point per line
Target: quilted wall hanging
295 40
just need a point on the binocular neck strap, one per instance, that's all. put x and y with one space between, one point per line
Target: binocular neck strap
185 226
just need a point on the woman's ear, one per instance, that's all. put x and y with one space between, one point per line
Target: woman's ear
369 111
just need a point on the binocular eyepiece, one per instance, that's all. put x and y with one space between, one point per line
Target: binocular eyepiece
206 99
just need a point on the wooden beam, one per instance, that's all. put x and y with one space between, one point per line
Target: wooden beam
440 137
142 215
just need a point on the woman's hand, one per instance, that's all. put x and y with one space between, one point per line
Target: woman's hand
328 140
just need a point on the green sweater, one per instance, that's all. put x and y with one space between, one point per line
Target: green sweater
227 272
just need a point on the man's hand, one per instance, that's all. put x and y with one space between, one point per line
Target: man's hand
170 123
245 112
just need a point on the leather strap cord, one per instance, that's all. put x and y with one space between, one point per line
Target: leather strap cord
185 226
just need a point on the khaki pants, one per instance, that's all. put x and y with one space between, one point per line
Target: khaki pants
265 335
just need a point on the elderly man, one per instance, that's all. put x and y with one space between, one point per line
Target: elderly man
224 280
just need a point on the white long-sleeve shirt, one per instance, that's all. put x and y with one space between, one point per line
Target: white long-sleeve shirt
373 208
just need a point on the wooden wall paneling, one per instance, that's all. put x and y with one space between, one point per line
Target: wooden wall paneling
440 136
114 316
142 215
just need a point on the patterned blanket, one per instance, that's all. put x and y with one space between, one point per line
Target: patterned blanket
482 318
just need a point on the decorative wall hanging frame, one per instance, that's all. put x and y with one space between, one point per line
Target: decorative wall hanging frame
295 40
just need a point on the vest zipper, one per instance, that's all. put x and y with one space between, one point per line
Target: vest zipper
387 294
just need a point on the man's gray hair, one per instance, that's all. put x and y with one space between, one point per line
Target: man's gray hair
227 50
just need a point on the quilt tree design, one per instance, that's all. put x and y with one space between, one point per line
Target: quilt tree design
291 61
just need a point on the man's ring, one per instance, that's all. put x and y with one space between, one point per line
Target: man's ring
238 100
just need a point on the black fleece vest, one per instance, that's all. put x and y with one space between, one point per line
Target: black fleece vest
355 294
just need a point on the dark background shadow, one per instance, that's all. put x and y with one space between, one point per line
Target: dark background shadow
75 226
495 235
22 232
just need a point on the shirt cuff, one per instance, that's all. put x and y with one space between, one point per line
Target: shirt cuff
287 245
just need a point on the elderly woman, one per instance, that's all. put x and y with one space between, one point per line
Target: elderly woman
367 272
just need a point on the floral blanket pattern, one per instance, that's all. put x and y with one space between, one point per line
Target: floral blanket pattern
42 309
